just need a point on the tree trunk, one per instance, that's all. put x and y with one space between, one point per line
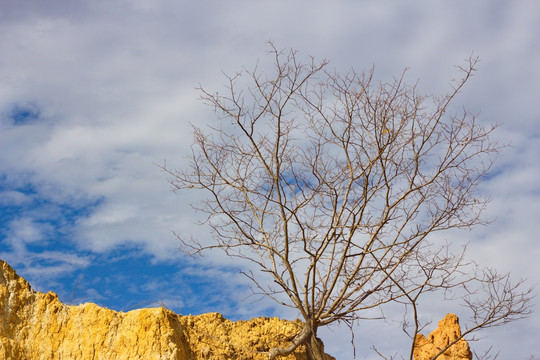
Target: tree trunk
315 348
308 337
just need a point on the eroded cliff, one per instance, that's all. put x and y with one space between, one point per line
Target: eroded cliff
35 325
448 332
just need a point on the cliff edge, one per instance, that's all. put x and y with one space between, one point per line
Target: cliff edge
34 325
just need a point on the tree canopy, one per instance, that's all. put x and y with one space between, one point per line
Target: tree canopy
334 186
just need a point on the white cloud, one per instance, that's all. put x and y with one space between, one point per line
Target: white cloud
114 82
24 231
10 198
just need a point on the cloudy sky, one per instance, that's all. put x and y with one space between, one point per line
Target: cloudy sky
94 94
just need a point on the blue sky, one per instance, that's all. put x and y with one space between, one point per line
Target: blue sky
94 94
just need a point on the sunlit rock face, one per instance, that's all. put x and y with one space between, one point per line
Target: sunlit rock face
447 332
35 325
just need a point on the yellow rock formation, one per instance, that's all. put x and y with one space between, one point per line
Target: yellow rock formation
447 332
36 326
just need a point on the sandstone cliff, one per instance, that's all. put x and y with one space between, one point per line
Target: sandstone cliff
34 325
38 326
447 332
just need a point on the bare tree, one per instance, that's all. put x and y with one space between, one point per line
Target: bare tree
333 185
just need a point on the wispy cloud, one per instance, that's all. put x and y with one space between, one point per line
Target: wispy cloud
94 94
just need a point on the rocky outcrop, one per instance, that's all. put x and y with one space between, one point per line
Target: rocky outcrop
35 325
447 332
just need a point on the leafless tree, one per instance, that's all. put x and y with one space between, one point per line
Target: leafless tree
333 185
